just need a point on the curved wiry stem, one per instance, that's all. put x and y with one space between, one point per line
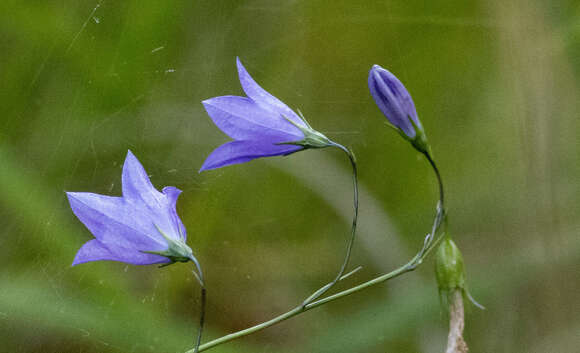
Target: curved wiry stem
323 290
440 214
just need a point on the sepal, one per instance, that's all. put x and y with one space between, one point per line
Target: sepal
312 138
177 250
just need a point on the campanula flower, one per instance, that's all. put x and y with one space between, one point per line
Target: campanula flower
263 126
396 104
260 124
141 227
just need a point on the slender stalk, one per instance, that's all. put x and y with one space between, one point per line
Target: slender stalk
438 175
201 320
350 244
440 215
199 277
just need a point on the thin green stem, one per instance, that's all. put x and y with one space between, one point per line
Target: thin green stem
300 309
439 179
350 244
199 276
440 215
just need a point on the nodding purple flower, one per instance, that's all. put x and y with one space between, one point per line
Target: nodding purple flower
397 105
141 227
260 124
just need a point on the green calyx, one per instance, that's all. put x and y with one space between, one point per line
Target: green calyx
419 142
312 138
177 250
449 268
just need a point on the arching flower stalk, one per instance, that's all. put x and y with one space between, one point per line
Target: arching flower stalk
263 126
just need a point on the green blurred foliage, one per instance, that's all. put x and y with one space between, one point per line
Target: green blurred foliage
496 85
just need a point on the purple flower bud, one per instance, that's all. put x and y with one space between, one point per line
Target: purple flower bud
141 227
395 102
260 124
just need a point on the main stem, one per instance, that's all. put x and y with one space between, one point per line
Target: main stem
323 290
300 309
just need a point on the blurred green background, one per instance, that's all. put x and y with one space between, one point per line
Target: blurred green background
496 84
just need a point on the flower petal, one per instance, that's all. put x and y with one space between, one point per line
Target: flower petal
114 221
243 151
393 100
136 183
263 98
94 250
172 193
144 198
388 104
241 118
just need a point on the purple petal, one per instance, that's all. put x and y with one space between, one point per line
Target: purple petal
243 151
263 98
136 183
94 250
114 221
393 100
172 193
157 209
241 118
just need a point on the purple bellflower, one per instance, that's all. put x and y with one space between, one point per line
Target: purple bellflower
260 124
263 126
140 228
396 104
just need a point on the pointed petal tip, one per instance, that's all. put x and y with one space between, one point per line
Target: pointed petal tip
78 259
242 72
75 196
131 163
219 101
130 157
172 191
211 102
206 166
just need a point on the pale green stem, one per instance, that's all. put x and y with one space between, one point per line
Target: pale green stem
300 309
338 277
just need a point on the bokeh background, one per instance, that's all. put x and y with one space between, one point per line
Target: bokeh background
496 84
